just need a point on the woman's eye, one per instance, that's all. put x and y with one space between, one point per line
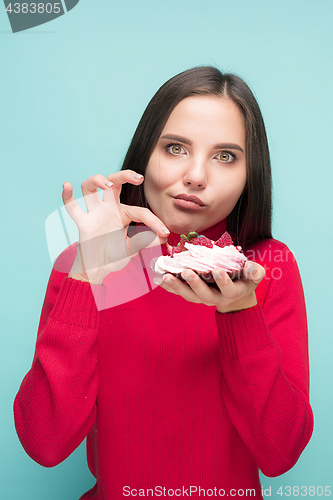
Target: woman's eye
226 157
175 149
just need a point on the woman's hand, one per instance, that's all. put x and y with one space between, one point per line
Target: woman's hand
230 295
103 243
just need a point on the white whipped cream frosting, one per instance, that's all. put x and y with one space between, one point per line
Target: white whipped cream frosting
201 258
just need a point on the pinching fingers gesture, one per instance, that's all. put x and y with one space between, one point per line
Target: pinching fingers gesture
103 243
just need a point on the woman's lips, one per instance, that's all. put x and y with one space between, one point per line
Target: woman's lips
179 202
188 201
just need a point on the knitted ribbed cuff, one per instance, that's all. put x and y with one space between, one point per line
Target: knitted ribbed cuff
78 303
243 332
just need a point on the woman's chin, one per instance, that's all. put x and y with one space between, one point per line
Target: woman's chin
182 222
186 226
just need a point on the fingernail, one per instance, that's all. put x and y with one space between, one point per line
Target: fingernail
157 280
169 281
165 230
217 274
137 176
250 268
187 277
108 183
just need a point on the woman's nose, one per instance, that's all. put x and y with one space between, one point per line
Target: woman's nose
196 173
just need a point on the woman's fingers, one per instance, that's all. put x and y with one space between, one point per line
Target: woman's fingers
90 186
141 214
174 285
193 290
123 176
90 192
229 294
111 186
71 206
254 272
144 239
120 178
235 295
231 290
114 183
207 294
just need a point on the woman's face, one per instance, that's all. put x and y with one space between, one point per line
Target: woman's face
200 153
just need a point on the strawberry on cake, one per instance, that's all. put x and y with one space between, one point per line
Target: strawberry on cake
202 255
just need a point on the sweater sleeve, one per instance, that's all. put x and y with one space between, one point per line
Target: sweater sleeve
55 407
264 356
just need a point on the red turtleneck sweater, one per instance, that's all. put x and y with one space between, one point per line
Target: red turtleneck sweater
175 399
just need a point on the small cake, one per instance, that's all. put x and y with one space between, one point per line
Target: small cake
202 255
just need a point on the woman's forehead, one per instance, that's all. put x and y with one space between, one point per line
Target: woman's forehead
207 117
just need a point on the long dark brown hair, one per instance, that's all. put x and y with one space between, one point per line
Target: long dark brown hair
251 218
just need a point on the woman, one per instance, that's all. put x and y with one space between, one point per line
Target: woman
186 390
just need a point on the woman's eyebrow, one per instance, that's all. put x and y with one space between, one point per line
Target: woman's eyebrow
189 142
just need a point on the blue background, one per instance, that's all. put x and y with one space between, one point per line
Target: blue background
72 93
